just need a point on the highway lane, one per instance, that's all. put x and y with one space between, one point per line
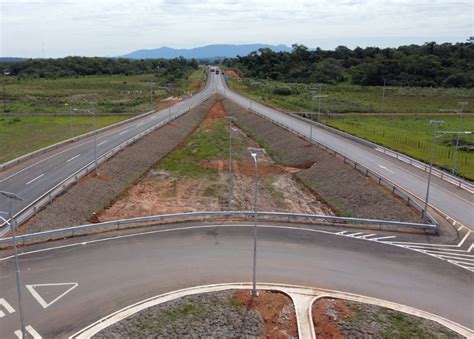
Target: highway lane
448 199
36 176
117 271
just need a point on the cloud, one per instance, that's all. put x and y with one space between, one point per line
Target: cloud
112 27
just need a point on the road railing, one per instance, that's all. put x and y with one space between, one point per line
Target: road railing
212 216
60 144
46 198
395 189
452 179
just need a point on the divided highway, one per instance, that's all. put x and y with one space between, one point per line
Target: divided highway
34 177
450 200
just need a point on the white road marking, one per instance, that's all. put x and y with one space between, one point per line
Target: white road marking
40 299
39 176
366 236
7 307
30 330
386 168
123 132
139 124
341 233
353 235
387 237
74 157
101 143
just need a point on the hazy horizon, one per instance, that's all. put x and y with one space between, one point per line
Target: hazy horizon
111 28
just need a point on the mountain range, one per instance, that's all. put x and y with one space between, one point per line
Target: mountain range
205 52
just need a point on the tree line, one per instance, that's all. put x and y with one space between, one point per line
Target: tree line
84 66
427 65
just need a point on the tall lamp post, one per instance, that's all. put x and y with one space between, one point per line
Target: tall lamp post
230 118
254 152
95 137
12 196
461 113
436 124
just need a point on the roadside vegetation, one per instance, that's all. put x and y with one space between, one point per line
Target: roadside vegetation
37 112
410 133
428 65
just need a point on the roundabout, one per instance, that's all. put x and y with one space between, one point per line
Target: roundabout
117 269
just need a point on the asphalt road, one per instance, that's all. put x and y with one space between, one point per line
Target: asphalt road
113 273
32 178
450 200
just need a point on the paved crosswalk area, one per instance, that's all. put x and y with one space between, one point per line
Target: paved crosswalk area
460 254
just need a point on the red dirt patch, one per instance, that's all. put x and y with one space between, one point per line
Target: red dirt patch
233 74
248 168
326 315
216 112
276 309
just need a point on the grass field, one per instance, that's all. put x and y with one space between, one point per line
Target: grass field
21 135
112 94
207 143
412 135
23 130
348 98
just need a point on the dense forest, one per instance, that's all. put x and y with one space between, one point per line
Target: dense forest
428 65
83 66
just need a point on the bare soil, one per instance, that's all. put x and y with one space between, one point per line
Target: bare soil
276 310
337 319
162 192
346 190
233 74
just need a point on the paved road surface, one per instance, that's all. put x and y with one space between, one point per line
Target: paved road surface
114 273
457 203
32 178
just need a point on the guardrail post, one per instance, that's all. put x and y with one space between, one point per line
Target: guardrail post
380 180
408 201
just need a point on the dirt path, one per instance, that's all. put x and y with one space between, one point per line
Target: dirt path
161 191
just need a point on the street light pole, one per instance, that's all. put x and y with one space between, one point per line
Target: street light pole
436 124
254 152
230 118
12 196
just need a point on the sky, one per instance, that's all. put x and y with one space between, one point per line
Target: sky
57 28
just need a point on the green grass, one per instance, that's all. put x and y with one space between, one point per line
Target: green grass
412 135
112 94
24 134
348 98
205 144
23 131
409 134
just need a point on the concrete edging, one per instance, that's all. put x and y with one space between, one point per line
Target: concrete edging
308 293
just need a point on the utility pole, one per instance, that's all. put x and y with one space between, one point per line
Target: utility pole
230 118
436 124
383 94
460 112
95 136
12 196
254 152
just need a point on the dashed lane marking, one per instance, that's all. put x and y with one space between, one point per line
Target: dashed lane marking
74 157
101 143
33 180
123 132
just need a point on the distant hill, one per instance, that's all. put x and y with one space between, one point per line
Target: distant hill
205 52
10 59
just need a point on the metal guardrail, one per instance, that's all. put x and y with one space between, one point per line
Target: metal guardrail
368 173
208 215
38 204
46 149
461 183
